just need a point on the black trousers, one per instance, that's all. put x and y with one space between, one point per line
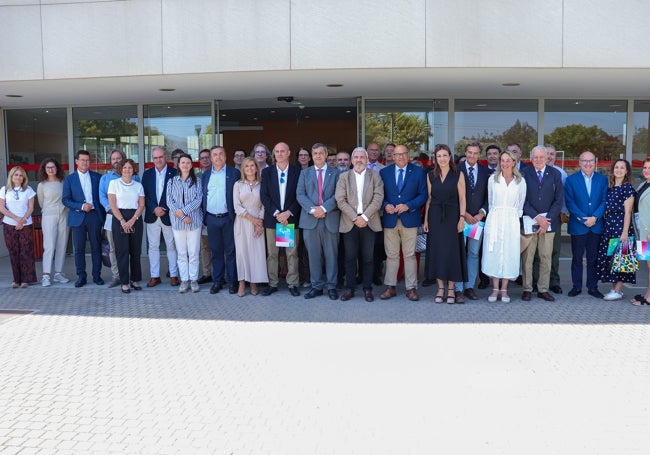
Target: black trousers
359 241
128 248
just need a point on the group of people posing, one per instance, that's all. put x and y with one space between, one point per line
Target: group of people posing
498 221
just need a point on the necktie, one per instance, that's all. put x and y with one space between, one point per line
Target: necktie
539 176
471 177
320 187
400 181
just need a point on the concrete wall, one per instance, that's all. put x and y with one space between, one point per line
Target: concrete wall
52 39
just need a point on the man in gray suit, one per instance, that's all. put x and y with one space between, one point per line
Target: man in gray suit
320 221
359 195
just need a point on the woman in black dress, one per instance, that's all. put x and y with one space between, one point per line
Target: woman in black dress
444 223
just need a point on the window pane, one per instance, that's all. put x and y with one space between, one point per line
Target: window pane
36 134
641 141
101 129
178 126
418 124
500 122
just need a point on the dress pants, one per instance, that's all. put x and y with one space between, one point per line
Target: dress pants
322 246
206 255
359 240
579 245
153 235
222 243
406 238
20 243
90 229
128 248
55 241
543 245
272 251
188 247
111 253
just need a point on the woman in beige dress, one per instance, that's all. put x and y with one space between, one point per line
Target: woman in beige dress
250 241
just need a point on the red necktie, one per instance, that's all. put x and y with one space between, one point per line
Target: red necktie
320 187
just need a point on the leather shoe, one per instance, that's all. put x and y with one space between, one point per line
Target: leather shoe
573 292
388 293
556 289
412 295
458 297
294 291
114 282
270 290
368 295
153 282
215 288
470 294
233 289
596 293
80 283
313 293
526 296
333 294
546 296
174 281
347 295
99 282
204 279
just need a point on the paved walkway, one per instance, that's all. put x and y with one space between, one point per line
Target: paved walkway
93 370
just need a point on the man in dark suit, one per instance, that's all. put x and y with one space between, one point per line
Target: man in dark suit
359 194
476 206
86 216
156 216
585 193
319 221
544 199
405 192
219 217
515 149
278 194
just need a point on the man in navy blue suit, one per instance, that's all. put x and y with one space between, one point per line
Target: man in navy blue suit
476 178
219 217
405 192
515 149
544 199
585 193
86 216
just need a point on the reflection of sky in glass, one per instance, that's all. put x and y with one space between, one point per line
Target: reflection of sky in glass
611 122
475 124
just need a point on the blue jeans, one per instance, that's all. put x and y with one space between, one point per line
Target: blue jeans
473 247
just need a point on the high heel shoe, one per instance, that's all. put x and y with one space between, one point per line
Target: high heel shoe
493 298
136 287
254 289
451 296
126 290
439 296
505 298
241 292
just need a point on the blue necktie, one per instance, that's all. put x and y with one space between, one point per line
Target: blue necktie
539 176
471 177
400 181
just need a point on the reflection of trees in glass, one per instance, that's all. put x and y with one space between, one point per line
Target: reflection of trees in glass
410 130
521 133
113 128
641 141
574 139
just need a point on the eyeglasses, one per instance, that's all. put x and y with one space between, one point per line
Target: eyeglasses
401 154
260 152
587 161
50 168
282 177
239 155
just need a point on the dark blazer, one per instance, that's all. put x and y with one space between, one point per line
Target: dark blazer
545 197
580 204
477 198
73 198
307 195
270 195
150 202
232 176
413 194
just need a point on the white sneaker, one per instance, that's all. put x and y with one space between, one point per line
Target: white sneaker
195 286
184 287
46 281
61 278
613 295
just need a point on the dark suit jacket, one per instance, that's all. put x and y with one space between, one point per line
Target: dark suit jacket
580 204
545 197
73 198
307 195
150 201
413 194
270 195
232 176
477 198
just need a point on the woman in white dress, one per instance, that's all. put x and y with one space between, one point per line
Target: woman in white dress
501 248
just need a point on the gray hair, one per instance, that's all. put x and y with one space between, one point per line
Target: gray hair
538 147
360 149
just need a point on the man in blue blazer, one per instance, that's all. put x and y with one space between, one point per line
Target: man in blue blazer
585 193
476 206
515 149
405 192
219 217
544 200
85 218
156 216
278 194
319 221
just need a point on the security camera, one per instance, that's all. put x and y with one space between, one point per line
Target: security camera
286 99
